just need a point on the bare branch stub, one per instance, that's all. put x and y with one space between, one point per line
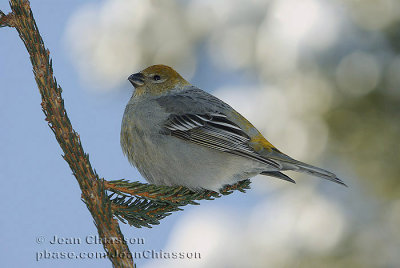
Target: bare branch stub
6 20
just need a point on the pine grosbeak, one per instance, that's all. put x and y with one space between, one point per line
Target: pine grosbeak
177 134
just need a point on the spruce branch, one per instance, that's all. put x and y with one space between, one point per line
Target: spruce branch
143 205
93 192
138 204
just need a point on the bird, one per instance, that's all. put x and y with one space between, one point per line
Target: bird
177 134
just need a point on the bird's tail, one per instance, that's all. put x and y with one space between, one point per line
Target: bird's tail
315 171
288 163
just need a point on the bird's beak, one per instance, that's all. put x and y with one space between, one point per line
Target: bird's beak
136 79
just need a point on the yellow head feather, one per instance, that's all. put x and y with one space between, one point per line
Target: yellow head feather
158 79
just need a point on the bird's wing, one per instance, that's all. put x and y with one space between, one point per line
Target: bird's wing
215 131
201 118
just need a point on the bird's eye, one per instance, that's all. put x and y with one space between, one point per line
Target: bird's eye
156 77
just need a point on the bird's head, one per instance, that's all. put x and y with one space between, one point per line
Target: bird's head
156 79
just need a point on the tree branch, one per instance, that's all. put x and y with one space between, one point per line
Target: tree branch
93 192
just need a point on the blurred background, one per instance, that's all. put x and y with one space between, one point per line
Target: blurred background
320 79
